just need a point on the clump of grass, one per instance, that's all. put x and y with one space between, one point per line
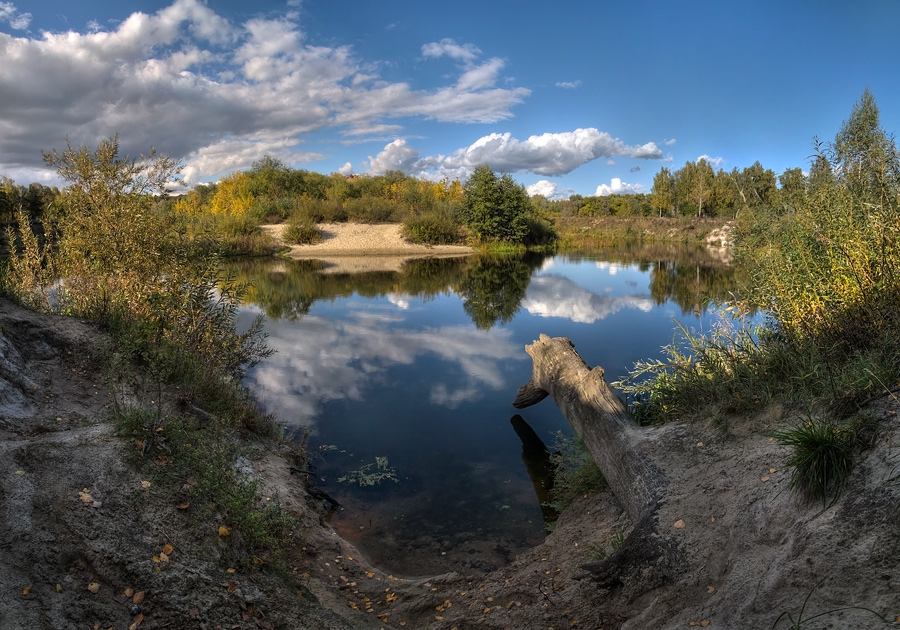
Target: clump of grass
822 458
716 374
575 473
301 230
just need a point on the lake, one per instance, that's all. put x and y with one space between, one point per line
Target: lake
402 383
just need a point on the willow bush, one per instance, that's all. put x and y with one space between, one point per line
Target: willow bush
827 272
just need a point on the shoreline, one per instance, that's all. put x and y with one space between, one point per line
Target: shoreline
362 239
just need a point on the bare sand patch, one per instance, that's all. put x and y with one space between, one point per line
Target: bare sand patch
360 247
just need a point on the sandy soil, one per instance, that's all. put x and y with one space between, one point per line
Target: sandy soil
356 247
752 551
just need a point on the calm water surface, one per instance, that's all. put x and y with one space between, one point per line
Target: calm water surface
404 383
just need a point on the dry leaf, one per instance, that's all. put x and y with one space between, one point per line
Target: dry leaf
710 589
183 506
679 524
129 592
58 587
168 549
26 590
224 531
773 470
764 479
231 587
93 587
145 484
229 570
163 557
138 598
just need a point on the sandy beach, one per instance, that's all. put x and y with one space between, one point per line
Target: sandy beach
358 247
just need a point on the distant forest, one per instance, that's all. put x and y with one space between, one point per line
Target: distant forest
271 191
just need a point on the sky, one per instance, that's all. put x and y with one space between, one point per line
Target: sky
584 97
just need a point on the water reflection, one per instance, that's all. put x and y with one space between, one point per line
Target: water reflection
558 296
328 359
417 369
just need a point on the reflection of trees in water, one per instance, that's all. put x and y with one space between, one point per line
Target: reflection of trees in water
494 287
287 289
691 277
491 286
692 286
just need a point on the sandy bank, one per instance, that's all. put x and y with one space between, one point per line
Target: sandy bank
359 247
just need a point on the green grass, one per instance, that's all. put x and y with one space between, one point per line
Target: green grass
822 458
193 463
575 473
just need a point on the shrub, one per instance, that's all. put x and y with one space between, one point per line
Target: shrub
301 230
370 210
435 227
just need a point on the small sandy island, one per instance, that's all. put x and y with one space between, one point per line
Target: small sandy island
358 247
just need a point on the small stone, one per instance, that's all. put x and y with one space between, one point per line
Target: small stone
94 587
679 524
97 504
134 610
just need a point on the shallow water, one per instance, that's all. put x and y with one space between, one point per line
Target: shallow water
403 384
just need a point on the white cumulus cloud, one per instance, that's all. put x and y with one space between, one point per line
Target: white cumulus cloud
549 190
550 154
12 16
217 94
617 187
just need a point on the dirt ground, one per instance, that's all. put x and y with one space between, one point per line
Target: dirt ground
75 519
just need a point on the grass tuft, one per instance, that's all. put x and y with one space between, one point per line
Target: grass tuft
823 453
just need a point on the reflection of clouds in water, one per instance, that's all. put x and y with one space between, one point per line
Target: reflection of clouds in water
441 395
557 296
612 267
320 359
399 300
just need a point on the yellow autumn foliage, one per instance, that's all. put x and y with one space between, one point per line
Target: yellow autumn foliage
233 196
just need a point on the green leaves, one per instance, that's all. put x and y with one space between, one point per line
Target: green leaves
495 209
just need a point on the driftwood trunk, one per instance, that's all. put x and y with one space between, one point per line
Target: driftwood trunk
623 452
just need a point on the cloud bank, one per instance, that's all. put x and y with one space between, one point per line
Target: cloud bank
549 154
216 94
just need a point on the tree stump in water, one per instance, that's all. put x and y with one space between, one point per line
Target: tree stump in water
624 452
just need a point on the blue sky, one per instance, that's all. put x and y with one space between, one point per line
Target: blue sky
586 97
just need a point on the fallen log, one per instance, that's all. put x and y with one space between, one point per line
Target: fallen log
623 452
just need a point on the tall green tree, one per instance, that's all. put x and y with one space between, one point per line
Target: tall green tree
662 196
792 191
862 151
495 208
